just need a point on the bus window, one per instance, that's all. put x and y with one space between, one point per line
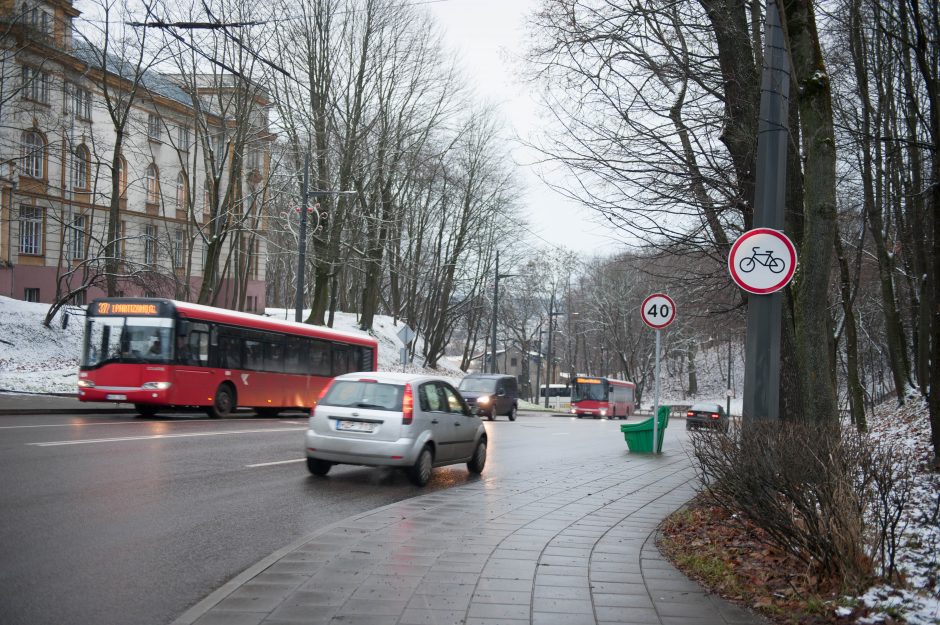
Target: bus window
274 356
320 358
254 355
230 352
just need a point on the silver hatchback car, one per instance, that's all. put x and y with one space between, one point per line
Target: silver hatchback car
405 420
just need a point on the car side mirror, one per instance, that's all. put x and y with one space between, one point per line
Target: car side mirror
501 393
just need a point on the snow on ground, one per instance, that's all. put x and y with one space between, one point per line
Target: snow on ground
37 359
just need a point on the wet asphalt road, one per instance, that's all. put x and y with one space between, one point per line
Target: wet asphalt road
108 519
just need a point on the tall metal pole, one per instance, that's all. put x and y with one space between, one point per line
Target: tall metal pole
548 367
495 307
762 351
656 397
302 244
728 403
538 369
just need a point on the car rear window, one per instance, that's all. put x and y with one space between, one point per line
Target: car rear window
357 394
706 407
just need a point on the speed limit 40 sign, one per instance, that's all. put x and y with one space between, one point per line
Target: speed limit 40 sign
658 311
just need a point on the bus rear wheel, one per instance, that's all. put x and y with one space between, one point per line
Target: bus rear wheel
223 405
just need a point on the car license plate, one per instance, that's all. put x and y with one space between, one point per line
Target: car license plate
113 397
355 426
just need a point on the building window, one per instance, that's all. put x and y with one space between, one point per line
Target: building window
513 362
31 295
150 244
182 192
253 161
179 248
122 177
30 230
154 127
182 138
81 100
153 184
79 299
81 168
76 243
34 154
35 85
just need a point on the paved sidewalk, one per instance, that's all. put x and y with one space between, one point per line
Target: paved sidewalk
572 545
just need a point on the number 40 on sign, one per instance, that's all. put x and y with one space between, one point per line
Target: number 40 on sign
658 311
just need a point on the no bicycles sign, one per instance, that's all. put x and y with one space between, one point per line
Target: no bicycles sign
762 261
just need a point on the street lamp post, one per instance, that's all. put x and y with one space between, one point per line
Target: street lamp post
538 368
549 370
495 309
306 194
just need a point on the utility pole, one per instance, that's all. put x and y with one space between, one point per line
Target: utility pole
496 309
548 365
764 312
538 369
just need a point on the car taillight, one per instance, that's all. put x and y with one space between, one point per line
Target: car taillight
690 414
714 415
321 395
407 406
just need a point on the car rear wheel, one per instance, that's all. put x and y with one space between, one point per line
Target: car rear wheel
512 413
478 461
420 473
223 405
318 467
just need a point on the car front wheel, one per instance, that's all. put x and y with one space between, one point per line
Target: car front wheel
318 467
512 413
420 473
478 461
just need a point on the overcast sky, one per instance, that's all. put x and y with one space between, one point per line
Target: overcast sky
489 36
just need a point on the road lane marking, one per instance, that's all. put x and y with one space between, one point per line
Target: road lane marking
159 436
271 464
135 422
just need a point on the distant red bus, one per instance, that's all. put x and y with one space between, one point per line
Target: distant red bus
158 353
602 397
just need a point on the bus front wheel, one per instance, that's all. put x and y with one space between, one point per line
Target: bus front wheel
223 405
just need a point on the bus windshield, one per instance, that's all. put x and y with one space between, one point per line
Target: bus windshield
595 390
127 339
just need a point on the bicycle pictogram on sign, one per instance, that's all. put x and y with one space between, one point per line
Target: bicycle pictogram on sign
766 259
762 261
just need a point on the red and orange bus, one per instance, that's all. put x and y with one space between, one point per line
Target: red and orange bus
602 397
159 353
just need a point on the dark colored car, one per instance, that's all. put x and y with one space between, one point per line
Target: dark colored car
491 394
706 414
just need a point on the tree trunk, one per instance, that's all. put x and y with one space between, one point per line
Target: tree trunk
856 393
812 318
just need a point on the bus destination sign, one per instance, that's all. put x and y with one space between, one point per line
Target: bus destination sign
120 308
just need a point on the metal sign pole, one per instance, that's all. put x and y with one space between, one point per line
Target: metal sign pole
656 396
764 312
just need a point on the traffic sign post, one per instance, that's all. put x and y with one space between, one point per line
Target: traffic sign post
658 311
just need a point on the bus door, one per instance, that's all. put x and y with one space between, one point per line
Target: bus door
194 381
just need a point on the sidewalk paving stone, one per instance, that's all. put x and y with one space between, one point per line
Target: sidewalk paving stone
574 545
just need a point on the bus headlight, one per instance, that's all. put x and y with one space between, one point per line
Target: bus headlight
483 400
86 384
603 413
158 386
